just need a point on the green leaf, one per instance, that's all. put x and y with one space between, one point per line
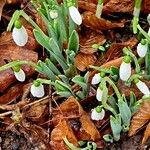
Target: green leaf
65 94
125 113
43 41
64 79
52 67
116 127
61 87
80 81
46 70
74 41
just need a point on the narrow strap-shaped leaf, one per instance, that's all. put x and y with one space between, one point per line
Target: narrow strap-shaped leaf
61 87
44 41
47 71
60 61
116 127
55 48
74 41
52 67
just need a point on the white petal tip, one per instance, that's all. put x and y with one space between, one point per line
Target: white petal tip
99 94
96 79
97 116
75 15
20 36
37 91
142 50
20 76
125 71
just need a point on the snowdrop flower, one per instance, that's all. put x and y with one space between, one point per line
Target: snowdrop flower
20 75
125 69
142 48
53 14
97 113
142 87
37 89
19 34
96 79
75 15
99 94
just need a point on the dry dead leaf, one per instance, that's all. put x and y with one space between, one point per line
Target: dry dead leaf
141 117
99 24
88 38
82 61
146 134
2 3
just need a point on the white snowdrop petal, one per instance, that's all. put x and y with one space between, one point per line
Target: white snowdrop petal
142 49
149 31
75 15
20 76
125 71
20 36
96 79
37 91
99 94
143 88
97 116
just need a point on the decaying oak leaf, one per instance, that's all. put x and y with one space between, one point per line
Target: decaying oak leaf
72 108
115 50
141 117
10 54
82 61
2 3
88 38
119 6
87 6
63 130
11 94
99 24
146 134
146 6
36 112
78 125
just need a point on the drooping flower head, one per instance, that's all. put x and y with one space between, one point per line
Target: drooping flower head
19 73
37 89
142 87
74 14
142 48
97 113
96 79
99 93
19 34
125 68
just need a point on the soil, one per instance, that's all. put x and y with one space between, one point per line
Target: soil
12 141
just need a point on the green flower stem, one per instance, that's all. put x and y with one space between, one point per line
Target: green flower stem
16 16
136 14
107 79
19 62
104 100
45 81
133 77
137 66
99 9
105 70
144 33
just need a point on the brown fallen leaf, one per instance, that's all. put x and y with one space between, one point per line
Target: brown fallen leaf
82 61
115 50
12 94
2 3
141 117
13 1
88 38
99 24
10 54
146 134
